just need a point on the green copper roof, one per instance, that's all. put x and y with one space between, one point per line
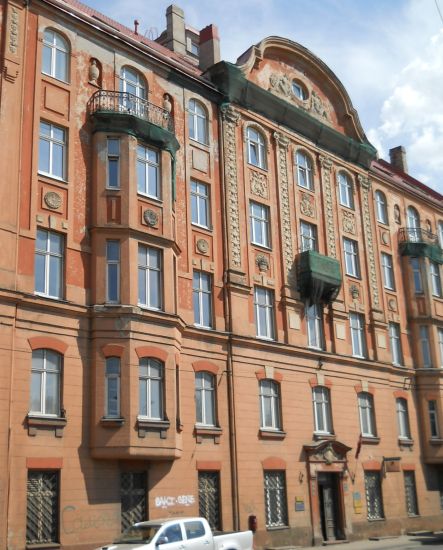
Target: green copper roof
319 277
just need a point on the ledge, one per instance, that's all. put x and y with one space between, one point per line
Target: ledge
146 425
436 441
110 422
405 442
43 546
36 422
207 431
324 437
263 433
370 440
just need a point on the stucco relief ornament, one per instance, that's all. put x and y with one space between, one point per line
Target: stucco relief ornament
262 262
259 184
348 222
318 106
307 206
52 200
150 217
202 246
280 84
355 291
13 30
94 73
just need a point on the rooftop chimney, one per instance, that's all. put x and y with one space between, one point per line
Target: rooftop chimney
397 157
209 47
175 29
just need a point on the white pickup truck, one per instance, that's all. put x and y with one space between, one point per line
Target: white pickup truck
179 534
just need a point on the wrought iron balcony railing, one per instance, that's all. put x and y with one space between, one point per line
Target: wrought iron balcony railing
418 242
416 235
125 103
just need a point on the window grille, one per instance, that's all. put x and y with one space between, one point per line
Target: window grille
374 501
133 498
209 498
42 507
411 494
275 499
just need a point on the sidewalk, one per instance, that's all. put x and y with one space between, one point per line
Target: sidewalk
425 540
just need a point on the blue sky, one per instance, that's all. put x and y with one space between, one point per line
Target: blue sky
387 53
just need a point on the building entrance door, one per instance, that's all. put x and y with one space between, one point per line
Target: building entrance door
329 501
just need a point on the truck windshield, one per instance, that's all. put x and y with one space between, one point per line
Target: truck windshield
138 534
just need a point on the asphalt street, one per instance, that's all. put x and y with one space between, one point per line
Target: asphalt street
425 542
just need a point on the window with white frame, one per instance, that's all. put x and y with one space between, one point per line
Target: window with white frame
367 414
352 263
255 143
43 508
149 277
433 419
133 83
205 398
395 341
374 500
270 416
200 204
299 91
425 346
198 122
322 410
112 387
148 172
55 58
413 224
259 216
440 233
388 271
381 207
264 312
440 344
416 275
345 190
113 271
48 270
276 503
45 383
358 339
52 151
303 166
113 173
150 381
435 279
314 323
202 298
308 236
404 431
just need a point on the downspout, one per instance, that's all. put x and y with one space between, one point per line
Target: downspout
228 328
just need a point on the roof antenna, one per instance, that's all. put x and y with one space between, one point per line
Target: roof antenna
136 24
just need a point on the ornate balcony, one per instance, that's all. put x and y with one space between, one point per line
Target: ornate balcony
319 277
419 242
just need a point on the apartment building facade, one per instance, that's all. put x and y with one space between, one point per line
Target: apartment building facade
214 298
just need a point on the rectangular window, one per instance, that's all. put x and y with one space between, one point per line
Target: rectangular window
112 387
52 151
133 493
113 271
352 264
367 416
200 204
148 172
259 215
314 322
358 338
205 398
433 419
42 510
395 340
435 279
49 253
322 410
202 298
440 344
269 405
374 501
45 383
276 505
416 275
388 271
209 498
264 312
425 347
113 175
149 277
150 384
410 493
404 431
308 236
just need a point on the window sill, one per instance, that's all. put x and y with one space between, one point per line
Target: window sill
205 228
36 422
271 434
43 546
324 436
265 247
111 422
256 167
370 440
194 141
203 327
201 432
436 441
311 189
277 528
376 519
52 177
148 425
405 442
47 296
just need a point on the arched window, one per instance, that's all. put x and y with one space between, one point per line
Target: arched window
132 82
45 382
112 387
404 431
150 384
413 224
205 398
381 207
270 416
440 233
198 122
345 190
367 414
256 148
322 410
55 60
304 170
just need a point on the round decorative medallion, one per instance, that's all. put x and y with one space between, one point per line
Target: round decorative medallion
385 237
150 217
392 304
262 262
52 200
202 246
